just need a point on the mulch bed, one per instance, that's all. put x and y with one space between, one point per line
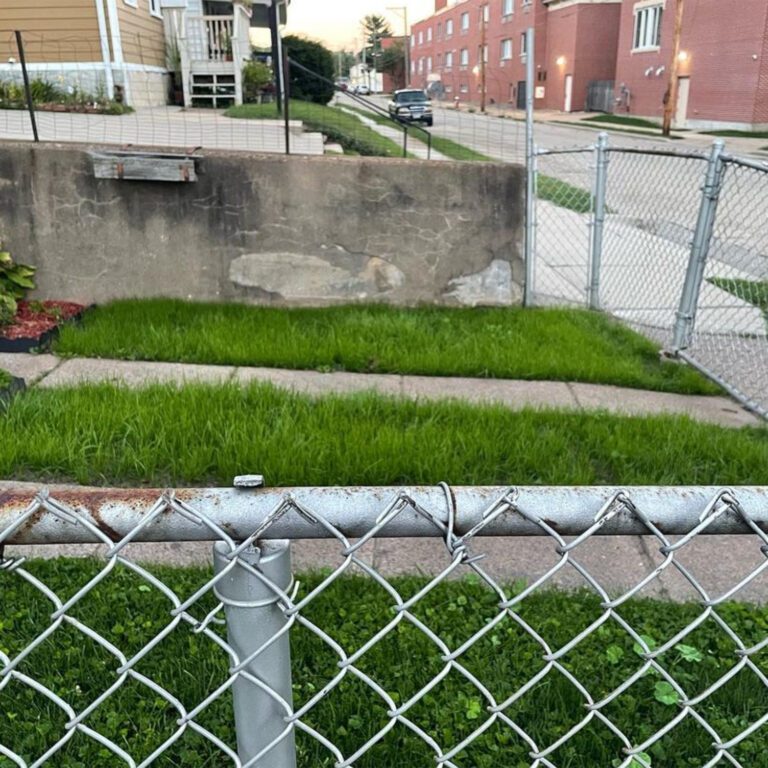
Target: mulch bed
36 323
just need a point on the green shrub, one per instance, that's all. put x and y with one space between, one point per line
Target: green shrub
256 76
7 307
44 92
317 87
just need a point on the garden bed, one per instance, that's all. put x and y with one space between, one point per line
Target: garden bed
36 324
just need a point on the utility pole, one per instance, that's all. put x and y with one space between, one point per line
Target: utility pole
670 97
406 43
483 11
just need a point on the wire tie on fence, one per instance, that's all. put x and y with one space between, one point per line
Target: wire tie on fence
209 619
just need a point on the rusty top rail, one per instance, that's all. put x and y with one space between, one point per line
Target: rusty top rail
34 514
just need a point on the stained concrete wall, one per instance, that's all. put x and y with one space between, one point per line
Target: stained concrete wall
267 229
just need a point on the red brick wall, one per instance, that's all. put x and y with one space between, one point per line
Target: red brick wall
721 37
502 77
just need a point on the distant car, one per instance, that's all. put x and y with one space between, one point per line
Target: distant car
411 105
361 90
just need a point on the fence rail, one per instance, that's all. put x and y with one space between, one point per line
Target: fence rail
115 661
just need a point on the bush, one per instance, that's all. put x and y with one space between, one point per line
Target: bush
317 87
15 279
256 77
7 307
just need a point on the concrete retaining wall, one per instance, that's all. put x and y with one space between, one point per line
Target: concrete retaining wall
267 229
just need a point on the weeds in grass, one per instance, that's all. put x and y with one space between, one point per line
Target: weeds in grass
202 434
570 345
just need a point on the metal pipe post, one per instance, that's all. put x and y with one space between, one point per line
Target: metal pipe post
27 88
253 619
287 100
686 313
598 220
405 140
530 160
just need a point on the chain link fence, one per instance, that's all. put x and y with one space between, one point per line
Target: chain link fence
668 242
111 660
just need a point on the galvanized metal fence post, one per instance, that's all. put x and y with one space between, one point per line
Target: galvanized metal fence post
530 167
254 620
598 219
686 313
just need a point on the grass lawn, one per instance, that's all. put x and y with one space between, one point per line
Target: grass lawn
738 134
572 345
753 291
128 613
338 125
5 379
635 122
204 434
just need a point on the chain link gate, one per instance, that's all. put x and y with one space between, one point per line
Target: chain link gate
253 616
670 243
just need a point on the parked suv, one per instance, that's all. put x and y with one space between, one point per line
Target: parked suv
411 105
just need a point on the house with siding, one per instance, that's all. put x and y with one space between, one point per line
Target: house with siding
130 50
723 62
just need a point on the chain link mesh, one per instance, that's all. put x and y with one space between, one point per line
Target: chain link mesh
491 680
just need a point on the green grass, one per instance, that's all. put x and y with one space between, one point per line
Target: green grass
336 124
753 291
636 122
563 194
738 134
201 435
5 379
128 612
572 345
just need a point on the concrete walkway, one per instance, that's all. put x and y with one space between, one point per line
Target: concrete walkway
51 371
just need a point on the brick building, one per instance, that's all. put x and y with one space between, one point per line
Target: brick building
575 44
723 62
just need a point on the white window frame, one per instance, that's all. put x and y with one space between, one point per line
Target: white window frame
429 34
132 3
485 14
507 49
646 34
449 28
421 37
154 9
465 21
523 46
482 53
448 61
507 8
464 58
413 40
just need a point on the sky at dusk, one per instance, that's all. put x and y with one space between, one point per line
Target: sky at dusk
337 22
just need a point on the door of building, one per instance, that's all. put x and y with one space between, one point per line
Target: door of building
568 93
521 94
683 92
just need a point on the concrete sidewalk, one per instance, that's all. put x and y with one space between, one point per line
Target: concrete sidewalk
51 371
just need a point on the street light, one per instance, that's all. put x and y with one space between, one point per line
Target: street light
406 39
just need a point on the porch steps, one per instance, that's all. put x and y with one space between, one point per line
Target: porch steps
213 89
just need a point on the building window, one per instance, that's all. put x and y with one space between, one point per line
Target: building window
484 14
413 67
464 22
449 27
429 64
647 28
482 53
523 46
464 88
507 7
421 65
429 34
439 30
421 37
449 60
154 8
506 49
413 40
464 58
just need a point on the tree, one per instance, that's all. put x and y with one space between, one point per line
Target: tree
375 28
392 61
318 86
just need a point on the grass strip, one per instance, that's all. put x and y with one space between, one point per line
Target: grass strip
336 124
128 612
738 134
753 291
203 434
637 122
561 344
563 194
